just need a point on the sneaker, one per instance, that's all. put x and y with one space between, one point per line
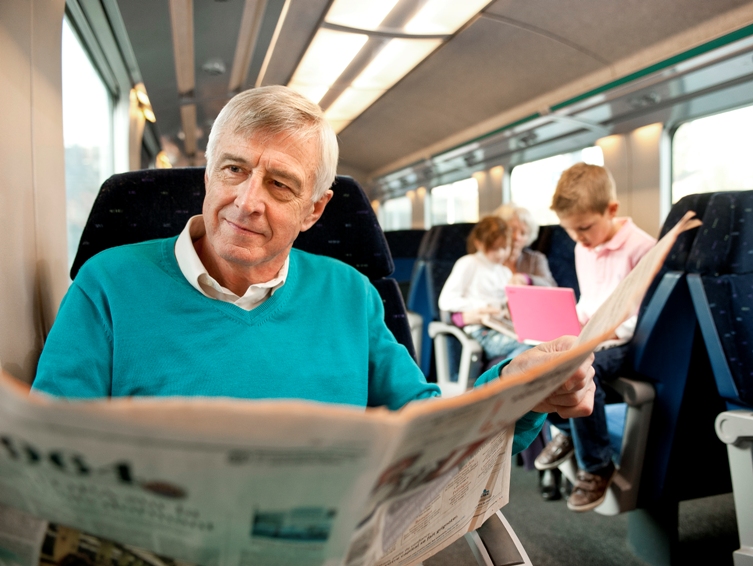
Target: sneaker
590 490
557 451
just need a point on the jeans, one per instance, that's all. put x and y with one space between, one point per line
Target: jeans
496 344
590 435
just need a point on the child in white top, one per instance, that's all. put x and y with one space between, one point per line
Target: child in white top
476 287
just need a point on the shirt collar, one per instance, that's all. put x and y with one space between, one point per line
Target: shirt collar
196 274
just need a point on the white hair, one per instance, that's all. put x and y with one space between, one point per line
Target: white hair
276 110
511 210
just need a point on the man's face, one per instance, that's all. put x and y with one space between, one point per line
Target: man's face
258 199
591 229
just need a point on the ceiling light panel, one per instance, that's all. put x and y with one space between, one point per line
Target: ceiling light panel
394 61
325 60
444 16
360 14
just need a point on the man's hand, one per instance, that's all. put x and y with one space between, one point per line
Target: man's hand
575 397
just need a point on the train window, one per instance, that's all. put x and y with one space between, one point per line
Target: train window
87 134
713 154
456 202
396 214
532 184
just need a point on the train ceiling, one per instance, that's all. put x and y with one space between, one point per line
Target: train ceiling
513 59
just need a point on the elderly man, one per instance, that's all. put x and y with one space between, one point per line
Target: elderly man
229 308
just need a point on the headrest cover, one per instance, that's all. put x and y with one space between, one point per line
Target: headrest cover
724 244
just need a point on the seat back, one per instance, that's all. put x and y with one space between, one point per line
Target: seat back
721 261
559 249
666 353
404 246
440 248
156 203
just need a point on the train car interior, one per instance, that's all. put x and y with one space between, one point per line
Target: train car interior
443 111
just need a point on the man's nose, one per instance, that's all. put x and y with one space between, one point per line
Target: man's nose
250 195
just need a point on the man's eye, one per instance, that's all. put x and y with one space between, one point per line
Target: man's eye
234 169
279 184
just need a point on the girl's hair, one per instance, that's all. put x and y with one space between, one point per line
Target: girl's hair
487 232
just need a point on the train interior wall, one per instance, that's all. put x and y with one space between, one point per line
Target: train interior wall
32 180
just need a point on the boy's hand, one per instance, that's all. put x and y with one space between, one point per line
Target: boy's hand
575 397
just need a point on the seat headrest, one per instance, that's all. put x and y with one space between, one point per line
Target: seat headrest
724 244
447 241
678 256
349 231
156 203
140 205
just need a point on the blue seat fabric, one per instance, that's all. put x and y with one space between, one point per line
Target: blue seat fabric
722 256
559 249
404 247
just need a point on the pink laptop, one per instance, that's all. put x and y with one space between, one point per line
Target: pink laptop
540 314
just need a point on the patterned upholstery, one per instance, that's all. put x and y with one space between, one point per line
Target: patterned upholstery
140 205
723 256
559 249
157 203
678 255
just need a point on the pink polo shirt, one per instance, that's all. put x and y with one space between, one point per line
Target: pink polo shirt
601 268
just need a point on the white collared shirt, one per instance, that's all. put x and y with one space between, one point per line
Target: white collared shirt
196 274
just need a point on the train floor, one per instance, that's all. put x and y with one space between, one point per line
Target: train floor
555 536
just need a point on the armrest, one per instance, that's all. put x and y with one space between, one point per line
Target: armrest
734 427
470 358
437 328
635 393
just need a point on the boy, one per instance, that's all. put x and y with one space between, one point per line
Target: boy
606 250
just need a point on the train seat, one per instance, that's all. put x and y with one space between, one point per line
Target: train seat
440 247
720 279
142 205
404 246
157 203
630 423
559 249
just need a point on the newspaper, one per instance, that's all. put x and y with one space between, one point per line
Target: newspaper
236 482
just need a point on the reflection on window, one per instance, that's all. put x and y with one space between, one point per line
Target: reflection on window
87 135
454 203
713 154
395 214
532 184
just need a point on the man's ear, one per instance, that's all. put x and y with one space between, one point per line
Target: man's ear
316 213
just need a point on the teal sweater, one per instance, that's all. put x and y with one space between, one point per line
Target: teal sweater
132 325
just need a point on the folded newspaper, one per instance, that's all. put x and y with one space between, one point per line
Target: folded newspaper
236 482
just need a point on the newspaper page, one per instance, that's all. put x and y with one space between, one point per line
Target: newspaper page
206 481
236 482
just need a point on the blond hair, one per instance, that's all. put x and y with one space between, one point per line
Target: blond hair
273 110
584 188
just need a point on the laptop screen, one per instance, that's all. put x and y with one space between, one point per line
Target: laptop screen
540 314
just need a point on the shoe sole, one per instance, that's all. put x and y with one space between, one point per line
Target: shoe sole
554 464
593 504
